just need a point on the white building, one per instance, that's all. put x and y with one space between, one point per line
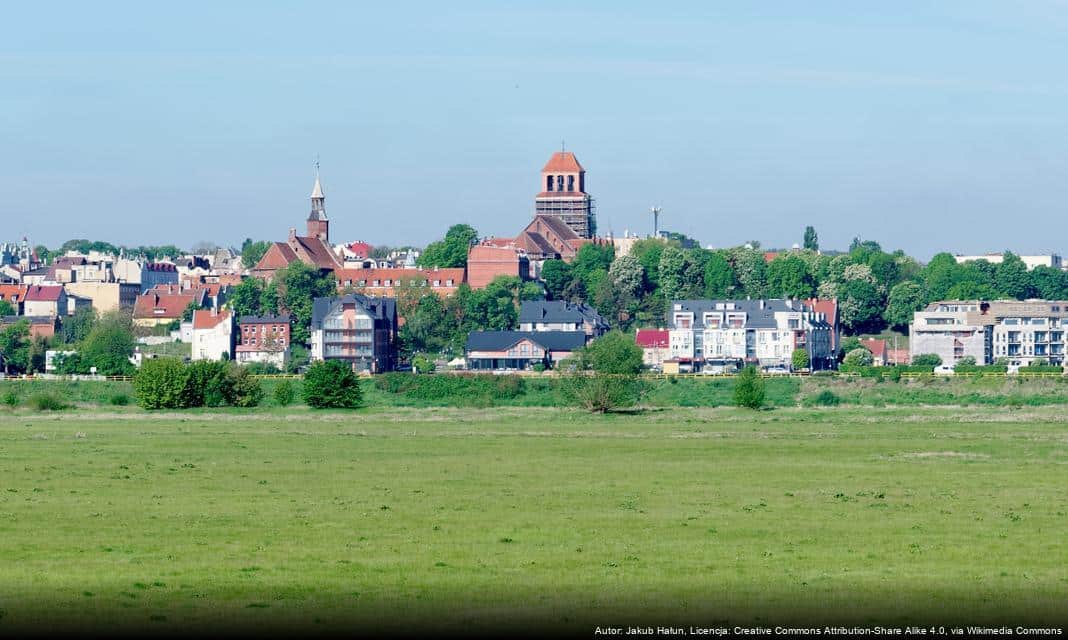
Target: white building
213 335
712 333
1051 260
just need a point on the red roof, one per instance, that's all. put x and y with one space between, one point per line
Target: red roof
163 305
43 293
360 249
206 319
876 346
653 338
828 308
770 255
397 276
563 162
13 292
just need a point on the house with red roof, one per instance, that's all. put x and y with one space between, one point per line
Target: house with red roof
165 305
45 300
387 282
656 346
213 335
14 294
829 309
878 350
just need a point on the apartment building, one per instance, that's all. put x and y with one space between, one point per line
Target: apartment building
357 329
1019 331
718 335
561 315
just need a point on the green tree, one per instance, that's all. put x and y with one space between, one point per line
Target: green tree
927 360
1049 283
627 275
1011 277
246 297
451 251
109 344
241 389
749 389
720 281
604 375
252 252
77 327
681 276
751 270
811 241
788 277
161 383
283 393
648 252
799 359
6 309
859 357
557 275
15 347
941 273
905 299
298 285
331 384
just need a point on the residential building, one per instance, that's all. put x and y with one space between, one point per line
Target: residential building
163 307
829 309
156 273
1049 260
40 326
878 349
656 347
387 282
488 261
105 296
38 276
14 294
721 334
560 315
264 339
520 350
563 196
45 300
1018 331
213 335
313 249
357 329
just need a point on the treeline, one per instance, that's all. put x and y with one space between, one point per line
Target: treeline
105 342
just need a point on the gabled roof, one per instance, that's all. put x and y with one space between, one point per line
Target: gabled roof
653 338
558 311
13 292
760 314
829 308
205 319
314 252
384 309
43 293
548 340
563 162
277 256
876 346
169 306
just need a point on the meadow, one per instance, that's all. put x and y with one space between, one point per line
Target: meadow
531 517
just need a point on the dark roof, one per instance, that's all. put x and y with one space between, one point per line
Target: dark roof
552 311
549 340
379 308
284 317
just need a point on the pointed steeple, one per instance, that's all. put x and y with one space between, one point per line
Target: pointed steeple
318 223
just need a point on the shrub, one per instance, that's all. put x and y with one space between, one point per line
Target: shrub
966 361
11 398
604 375
799 359
466 389
207 384
927 360
826 398
283 393
859 357
161 383
119 399
422 364
331 384
749 389
240 389
262 368
48 402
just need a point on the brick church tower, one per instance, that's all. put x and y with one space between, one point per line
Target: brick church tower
564 196
318 223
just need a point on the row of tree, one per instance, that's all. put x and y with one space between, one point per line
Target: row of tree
104 343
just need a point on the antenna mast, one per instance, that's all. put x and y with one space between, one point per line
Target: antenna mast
656 221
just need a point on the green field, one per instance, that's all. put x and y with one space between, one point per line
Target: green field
510 517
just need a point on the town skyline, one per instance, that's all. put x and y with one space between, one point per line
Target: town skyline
740 122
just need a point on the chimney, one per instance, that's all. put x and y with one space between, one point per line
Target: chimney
292 233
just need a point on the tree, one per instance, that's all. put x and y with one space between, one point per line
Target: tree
187 313
451 251
720 281
252 252
331 384
799 359
927 360
15 347
557 275
298 285
648 253
749 389
905 299
750 269
811 241
681 276
246 297
788 277
1049 283
591 264
422 364
283 393
967 361
941 273
109 345
627 275
860 305
860 357
161 383
1011 277
77 327
241 389
6 309
604 375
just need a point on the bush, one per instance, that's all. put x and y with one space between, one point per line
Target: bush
859 357
422 364
605 374
749 389
463 389
161 383
927 360
240 389
48 402
262 368
799 359
119 400
11 398
283 393
826 398
207 384
331 384
966 361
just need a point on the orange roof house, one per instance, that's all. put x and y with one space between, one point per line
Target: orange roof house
155 307
386 282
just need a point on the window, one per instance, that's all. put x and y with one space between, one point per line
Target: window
548 183
571 183
437 283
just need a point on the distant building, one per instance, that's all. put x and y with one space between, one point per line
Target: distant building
45 300
563 195
40 326
387 282
356 329
156 307
312 249
656 346
1050 260
14 294
878 349
488 261
718 333
829 309
264 339
154 273
213 335
560 315
1020 331
105 296
520 350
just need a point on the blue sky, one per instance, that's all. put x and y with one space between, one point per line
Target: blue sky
925 125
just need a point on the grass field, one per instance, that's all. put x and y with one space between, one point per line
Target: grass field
532 517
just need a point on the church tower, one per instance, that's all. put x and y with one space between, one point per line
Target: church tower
318 223
563 195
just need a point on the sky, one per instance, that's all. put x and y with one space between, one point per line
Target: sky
927 126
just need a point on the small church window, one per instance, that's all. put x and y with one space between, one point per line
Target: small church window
559 183
548 183
571 183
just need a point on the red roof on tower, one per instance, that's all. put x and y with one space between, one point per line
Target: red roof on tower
563 161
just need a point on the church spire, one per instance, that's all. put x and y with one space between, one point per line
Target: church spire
318 223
